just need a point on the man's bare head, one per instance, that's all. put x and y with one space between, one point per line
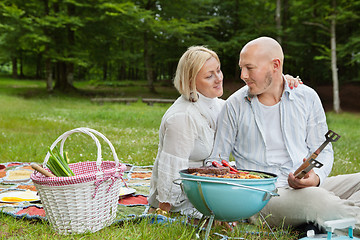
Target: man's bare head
264 48
261 62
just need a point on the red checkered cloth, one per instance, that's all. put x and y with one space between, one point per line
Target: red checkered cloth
84 172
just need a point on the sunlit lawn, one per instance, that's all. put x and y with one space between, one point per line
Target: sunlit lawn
30 124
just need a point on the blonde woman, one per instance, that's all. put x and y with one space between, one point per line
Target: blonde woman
187 128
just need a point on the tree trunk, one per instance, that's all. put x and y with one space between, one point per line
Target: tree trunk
70 74
284 20
136 74
38 74
278 20
64 70
236 27
148 63
49 76
71 41
48 65
22 76
62 75
149 5
14 67
60 70
121 71
105 71
336 97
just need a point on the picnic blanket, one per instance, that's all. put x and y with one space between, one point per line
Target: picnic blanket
15 176
133 204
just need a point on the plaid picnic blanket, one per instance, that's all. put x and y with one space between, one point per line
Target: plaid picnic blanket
15 177
133 204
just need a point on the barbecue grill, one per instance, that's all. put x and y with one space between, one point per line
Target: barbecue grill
227 199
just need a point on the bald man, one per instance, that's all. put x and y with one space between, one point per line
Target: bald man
269 127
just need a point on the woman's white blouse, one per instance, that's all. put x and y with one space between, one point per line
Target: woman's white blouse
186 138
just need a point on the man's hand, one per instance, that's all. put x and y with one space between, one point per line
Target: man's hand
311 179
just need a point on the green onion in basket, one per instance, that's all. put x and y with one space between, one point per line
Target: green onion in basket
58 164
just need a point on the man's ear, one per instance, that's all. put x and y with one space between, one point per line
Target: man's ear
276 64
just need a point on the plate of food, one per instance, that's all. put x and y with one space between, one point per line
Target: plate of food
124 191
18 175
14 196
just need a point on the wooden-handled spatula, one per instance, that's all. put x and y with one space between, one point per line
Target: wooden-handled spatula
310 162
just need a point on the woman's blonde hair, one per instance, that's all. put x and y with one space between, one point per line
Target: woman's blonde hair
188 67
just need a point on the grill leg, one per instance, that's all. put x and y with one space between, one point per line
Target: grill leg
208 228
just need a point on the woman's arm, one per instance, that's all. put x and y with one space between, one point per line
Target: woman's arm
178 142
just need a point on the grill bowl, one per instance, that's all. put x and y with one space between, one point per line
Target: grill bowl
228 199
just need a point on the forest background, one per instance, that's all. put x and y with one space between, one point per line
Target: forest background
117 44
109 42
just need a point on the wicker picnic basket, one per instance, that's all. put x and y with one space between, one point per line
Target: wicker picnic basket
86 202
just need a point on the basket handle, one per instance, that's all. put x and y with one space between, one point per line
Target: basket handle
91 133
116 159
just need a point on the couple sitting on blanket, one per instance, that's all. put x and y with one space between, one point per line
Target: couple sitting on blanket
267 125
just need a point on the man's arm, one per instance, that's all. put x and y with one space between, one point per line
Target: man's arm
316 129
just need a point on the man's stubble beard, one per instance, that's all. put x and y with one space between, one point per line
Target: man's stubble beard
268 81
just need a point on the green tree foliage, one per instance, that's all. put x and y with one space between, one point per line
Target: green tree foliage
114 40
309 33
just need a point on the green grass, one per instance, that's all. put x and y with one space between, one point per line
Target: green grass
28 126
346 149
31 120
11 228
